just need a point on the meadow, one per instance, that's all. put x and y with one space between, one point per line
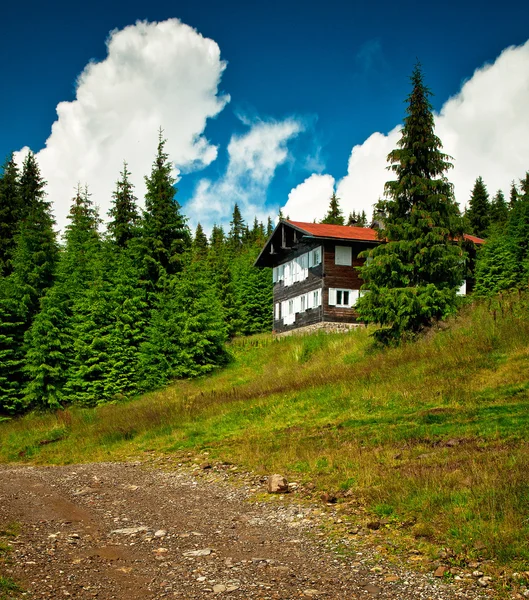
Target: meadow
430 436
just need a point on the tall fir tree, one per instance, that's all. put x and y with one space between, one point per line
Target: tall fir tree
414 276
513 195
52 358
166 234
479 209
123 213
200 241
499 211
12 328
10 213
334 215
36 251
186 333
237 229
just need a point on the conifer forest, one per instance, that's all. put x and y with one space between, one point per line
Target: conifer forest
97 317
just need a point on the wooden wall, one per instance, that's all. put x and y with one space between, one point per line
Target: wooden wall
341 277
313 282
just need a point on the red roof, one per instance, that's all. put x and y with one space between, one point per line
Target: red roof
473 238
343 232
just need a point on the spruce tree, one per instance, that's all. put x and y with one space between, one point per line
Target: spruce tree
513 196
479 209
36 251
52 359
499 211
12 328
200 241
165 231
413 277
237 229
124 216
269 227
129 318
10 213
334 215
186 333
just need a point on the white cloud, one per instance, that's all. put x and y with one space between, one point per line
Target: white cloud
307 201
252 162
485 128
155 74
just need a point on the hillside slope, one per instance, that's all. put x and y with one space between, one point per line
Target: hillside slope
429 438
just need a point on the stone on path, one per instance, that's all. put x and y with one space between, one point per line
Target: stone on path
203 552
277 484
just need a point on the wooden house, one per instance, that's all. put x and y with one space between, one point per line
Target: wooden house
315 279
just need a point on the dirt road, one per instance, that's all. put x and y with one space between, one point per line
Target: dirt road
133 531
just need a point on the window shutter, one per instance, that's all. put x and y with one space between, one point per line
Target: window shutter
353 296
274 275
277 311
310 256
310 299
343 255
463 289
332 297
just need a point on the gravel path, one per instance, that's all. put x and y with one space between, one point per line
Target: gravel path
134 531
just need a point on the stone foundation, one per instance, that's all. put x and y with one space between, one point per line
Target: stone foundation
325 326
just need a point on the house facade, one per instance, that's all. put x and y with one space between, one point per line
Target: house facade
315 274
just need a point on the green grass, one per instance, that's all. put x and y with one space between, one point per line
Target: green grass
8 588
431 436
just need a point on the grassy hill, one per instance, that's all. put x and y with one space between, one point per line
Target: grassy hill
431 436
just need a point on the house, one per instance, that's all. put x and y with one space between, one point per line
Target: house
315 279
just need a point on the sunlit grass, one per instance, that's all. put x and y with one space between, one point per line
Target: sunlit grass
433 433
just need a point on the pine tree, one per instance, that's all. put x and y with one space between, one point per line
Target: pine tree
413 277
11 350
237 229
479 209
269 227
200 241
128 305
36 252
497 266
217 238
334 215
186 334
513 196
165 231
124 216
253 294
10 213
51 353
499 211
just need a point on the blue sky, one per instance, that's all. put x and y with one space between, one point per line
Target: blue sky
336 71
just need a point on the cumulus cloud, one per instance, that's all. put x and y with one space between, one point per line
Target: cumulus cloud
252 162
308 199
485 128
155 75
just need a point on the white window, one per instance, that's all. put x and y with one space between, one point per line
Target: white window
316 298
303 304
343 255
315 257
463 289
343 298
310 300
